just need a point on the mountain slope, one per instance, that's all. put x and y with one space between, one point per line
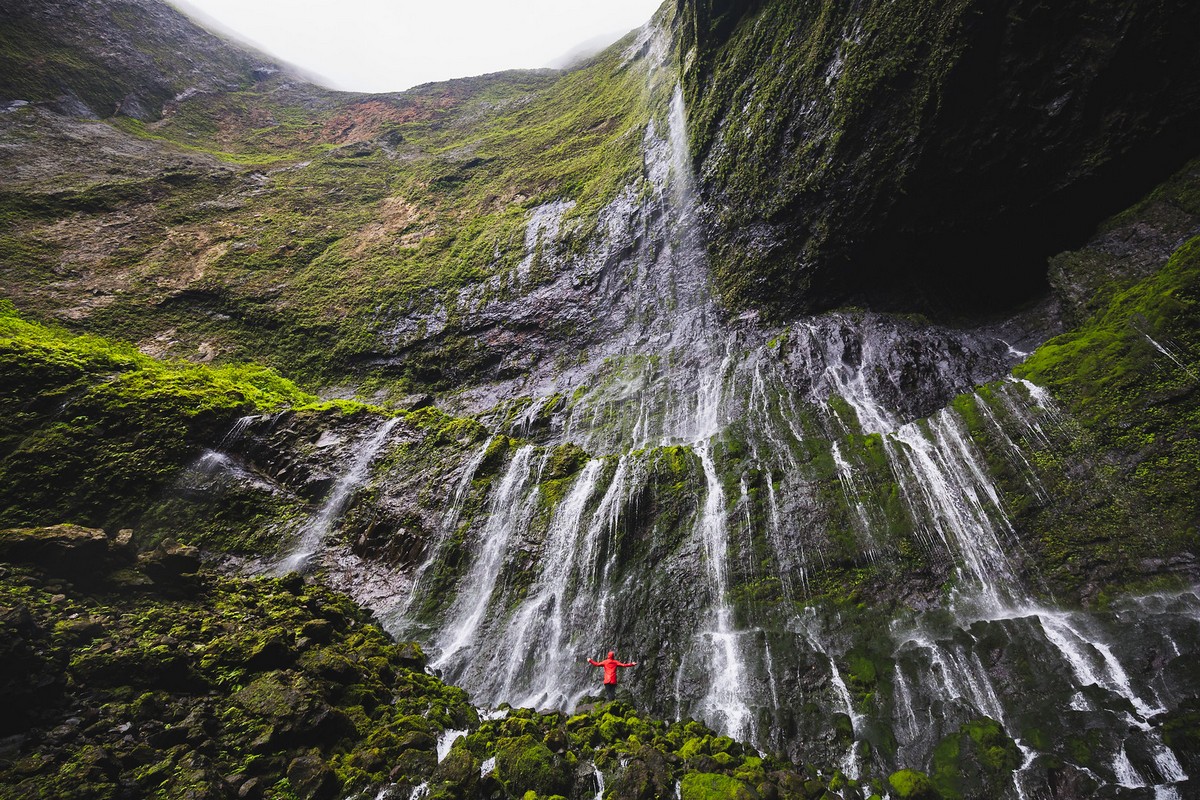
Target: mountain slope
103 59
259 218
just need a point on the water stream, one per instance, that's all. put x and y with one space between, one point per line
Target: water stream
313 533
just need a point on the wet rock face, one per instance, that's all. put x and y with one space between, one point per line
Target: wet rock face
905 155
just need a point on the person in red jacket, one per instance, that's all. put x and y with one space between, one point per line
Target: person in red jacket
610 665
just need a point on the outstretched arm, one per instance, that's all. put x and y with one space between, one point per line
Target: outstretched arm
630 664
595 663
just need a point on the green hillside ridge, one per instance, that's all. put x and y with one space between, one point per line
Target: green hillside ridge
93 429
269 218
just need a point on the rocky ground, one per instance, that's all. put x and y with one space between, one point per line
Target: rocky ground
128 675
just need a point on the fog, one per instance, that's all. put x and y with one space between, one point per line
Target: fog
377 45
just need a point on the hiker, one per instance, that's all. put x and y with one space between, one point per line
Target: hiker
610 665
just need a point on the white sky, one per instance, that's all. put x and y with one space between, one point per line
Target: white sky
390 45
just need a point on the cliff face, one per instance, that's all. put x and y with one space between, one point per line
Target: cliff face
907 154
873 541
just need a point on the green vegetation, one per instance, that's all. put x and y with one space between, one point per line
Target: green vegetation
92 430
976 762
283 217
265 687
152 676
909 784
713 786
1126 478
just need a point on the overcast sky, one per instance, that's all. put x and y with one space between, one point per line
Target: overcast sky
389 45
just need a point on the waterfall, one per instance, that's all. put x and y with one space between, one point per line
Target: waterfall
725 700
860 445
537 638
312 534
504 515
447 525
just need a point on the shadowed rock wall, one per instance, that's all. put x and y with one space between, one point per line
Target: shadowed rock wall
914 155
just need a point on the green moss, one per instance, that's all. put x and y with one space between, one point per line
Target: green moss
526 764
909 784
714 786
224 670
92 430
565 461
977 760
1124 478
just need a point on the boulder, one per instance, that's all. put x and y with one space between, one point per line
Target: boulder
170 562
66 550
312 779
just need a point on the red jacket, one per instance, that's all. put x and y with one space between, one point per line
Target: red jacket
610 665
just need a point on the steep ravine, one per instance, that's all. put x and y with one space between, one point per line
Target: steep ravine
950 560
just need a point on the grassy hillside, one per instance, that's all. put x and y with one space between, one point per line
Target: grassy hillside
263 219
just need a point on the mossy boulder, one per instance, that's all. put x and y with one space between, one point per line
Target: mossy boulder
975 762
457 776
526 764
311 778
646 776
909 784
714 786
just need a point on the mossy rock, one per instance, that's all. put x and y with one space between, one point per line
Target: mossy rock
526 764
909 784
613 728
696 746
714 786
976 761
566 460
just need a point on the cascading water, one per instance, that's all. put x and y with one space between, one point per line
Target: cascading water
708 493
748 411
313 533
505 515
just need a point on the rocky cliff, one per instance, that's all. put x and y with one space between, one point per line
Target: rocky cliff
917 156
954 554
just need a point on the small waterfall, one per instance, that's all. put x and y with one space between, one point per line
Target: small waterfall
1169 352
725 699
849 764
945 486
211 461
850 491
536 637
446 741
314 531
604 523
238 428
505 514
1072 641
447 525
1126 775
